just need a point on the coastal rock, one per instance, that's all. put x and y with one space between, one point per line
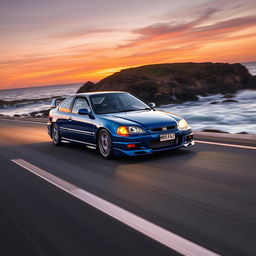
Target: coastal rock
176 82
88 85
42 113
230 100
7 104
228 96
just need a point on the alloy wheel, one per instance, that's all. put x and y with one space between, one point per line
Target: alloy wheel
56 135
105 144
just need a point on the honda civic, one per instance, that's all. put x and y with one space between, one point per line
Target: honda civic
116 123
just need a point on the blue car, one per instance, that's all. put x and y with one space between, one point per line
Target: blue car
116 123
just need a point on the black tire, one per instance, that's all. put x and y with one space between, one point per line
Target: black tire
56 138
104 144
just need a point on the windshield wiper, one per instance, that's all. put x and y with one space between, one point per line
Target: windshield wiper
128 110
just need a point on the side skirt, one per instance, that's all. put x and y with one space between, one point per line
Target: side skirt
89 145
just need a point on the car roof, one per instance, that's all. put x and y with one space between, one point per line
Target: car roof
98 92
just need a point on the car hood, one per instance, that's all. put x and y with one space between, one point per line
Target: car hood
147 119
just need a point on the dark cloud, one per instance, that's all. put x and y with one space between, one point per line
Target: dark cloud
164 28
190 30
169 28
230 24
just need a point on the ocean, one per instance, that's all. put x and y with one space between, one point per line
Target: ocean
24 101
208 113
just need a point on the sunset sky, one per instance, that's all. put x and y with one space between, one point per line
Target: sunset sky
63 41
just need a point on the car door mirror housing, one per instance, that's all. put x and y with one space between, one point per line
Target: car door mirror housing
152 104
83 111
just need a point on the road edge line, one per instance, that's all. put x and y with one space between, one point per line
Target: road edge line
225 144
157 233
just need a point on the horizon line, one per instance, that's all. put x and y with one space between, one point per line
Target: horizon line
49 85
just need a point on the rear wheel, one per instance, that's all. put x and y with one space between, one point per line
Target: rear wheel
56 138
104 144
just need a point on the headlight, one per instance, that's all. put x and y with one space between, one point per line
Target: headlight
126 130
183 125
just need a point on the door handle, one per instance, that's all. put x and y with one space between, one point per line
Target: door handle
69 118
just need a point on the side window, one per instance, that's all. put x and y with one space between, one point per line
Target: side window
80 103
66 105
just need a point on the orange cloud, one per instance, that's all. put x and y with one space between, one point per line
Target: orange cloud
91 54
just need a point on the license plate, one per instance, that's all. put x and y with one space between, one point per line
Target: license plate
168 136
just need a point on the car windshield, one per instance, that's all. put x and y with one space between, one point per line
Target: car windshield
116 102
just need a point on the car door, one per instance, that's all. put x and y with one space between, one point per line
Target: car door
63 118
82 126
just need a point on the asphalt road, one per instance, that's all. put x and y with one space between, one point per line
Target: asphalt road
205 194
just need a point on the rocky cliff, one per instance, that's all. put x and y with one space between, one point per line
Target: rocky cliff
176 82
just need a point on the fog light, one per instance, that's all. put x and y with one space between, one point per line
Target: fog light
190 137
131 146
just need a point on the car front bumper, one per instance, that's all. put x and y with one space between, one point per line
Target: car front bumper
150 143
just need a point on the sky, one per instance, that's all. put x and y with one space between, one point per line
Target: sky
63 41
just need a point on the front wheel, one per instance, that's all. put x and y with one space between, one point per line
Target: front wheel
104 143
56 139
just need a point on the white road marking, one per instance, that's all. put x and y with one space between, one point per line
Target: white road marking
225 145
165 237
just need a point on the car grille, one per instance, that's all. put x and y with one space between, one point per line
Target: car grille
157 144
165 128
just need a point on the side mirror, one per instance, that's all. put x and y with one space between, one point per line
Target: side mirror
83 111
152 104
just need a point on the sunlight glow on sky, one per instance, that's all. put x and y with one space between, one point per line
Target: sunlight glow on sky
62 41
